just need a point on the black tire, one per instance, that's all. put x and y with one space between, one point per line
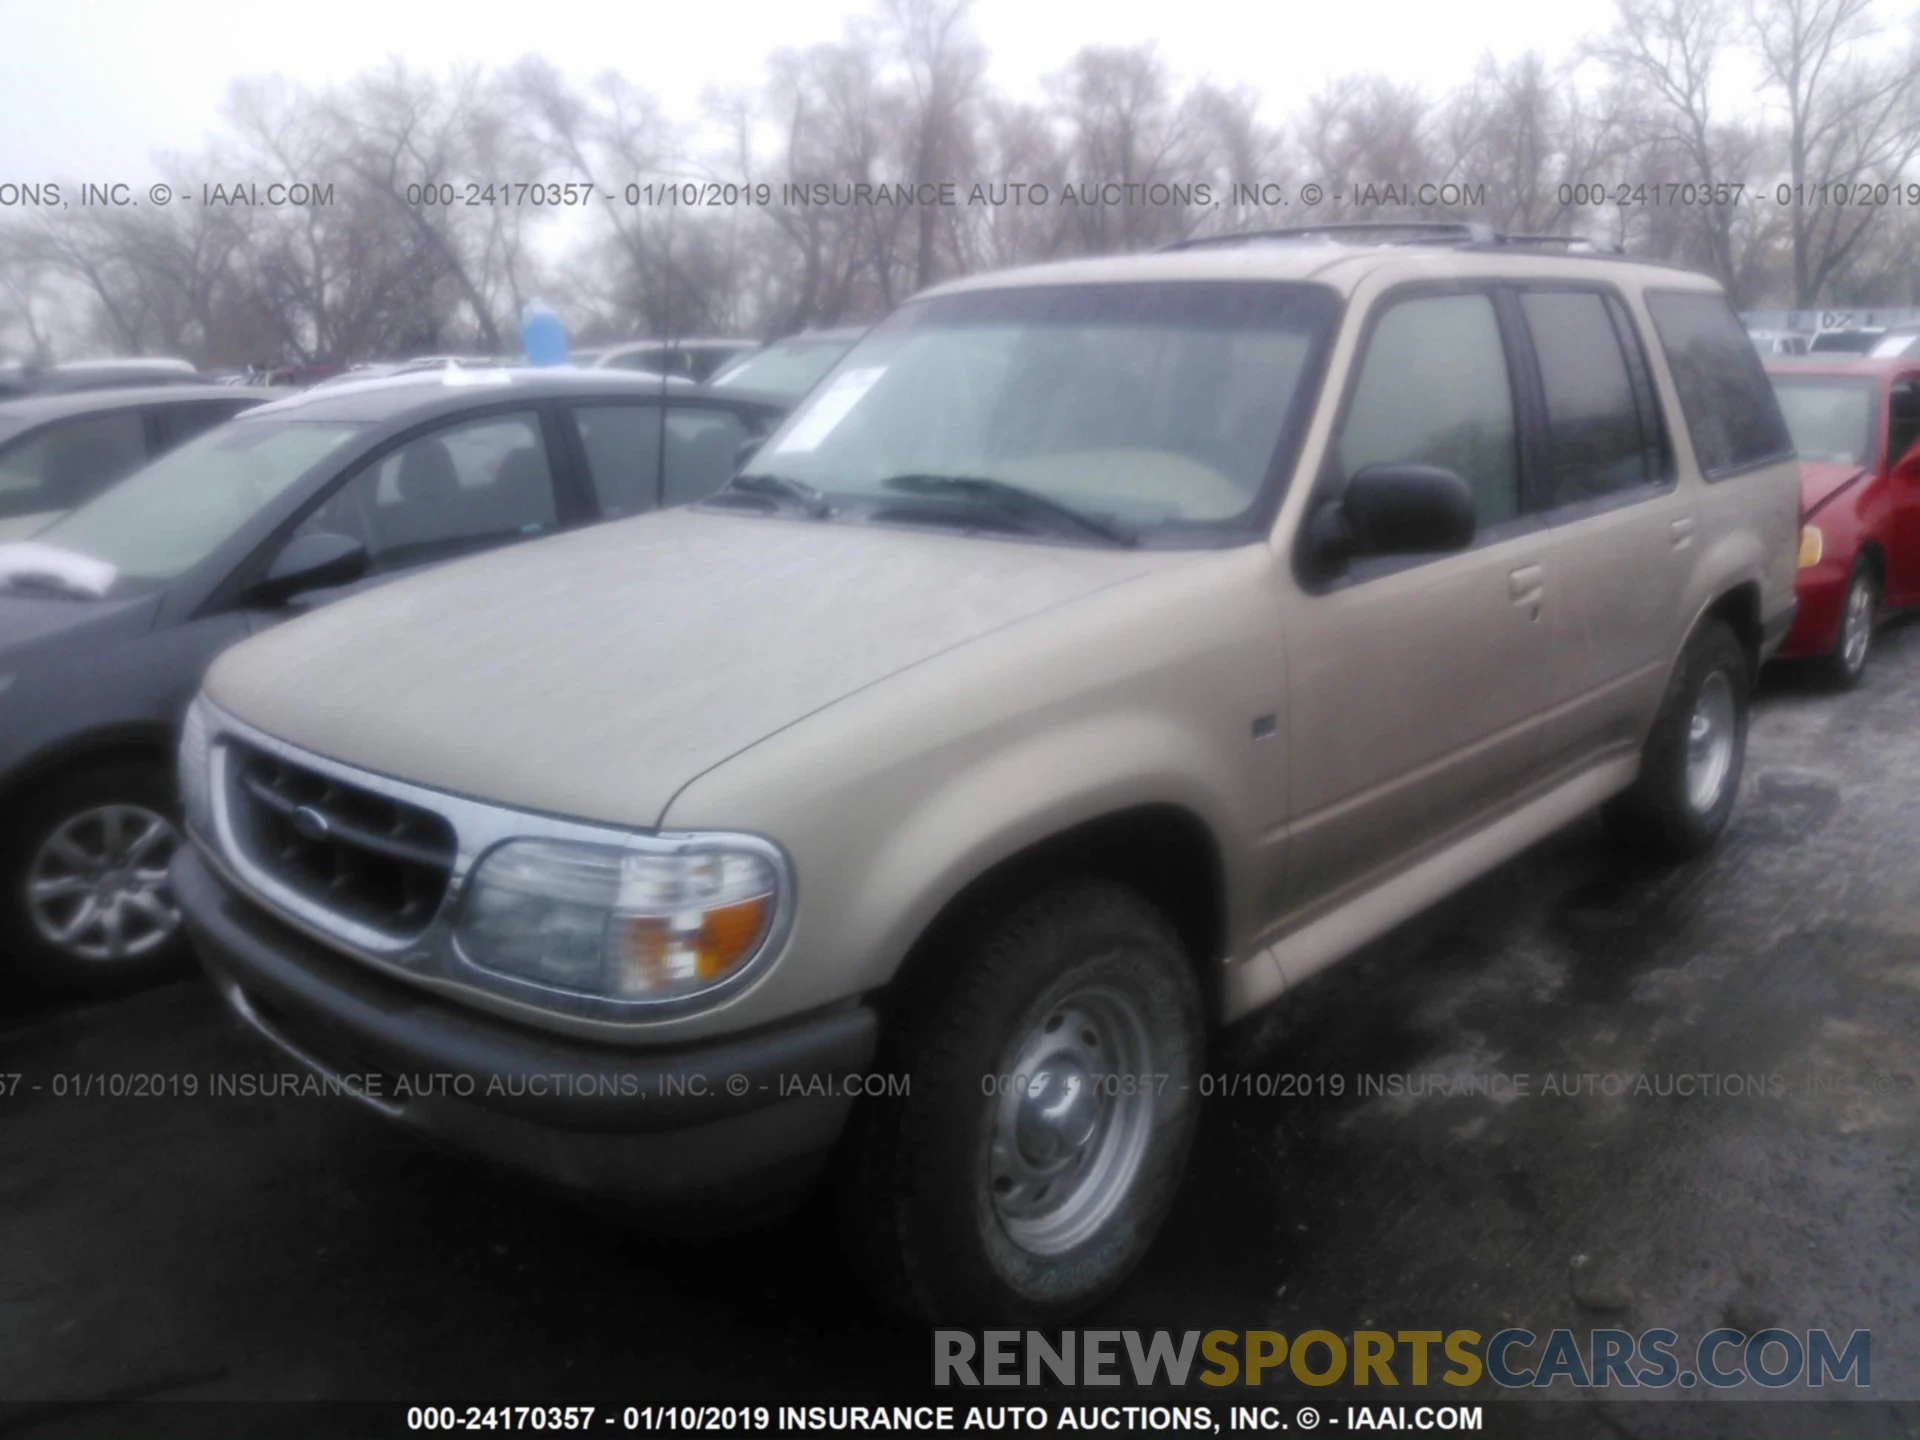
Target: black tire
1662 817
39 816
919 1204
1847 663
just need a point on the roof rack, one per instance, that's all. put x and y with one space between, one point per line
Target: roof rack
1418 232
1572 242
1411 232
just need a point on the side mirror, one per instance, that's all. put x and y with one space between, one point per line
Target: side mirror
310 562
1394 510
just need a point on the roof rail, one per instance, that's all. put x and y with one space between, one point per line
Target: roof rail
1572 242
1410 232
1417 232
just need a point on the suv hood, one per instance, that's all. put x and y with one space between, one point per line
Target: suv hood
594 674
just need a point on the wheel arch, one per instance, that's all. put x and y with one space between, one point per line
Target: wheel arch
1164 851
1738 607
144 743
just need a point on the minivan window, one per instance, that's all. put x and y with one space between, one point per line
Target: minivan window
164 519
622 444
1729 407
1595 442
1829 417
1159 406
463 486
1434 390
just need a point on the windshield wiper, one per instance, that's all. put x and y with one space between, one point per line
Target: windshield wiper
1007 497
809 499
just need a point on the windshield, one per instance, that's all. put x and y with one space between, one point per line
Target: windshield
162 520
1829 417
1156 406
786 367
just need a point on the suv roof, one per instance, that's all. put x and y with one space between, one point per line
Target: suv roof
1342 257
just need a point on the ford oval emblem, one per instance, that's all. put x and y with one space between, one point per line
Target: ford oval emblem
310 824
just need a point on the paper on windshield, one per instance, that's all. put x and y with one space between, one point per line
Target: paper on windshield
27 558
832 406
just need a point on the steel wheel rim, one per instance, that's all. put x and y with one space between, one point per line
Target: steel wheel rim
97 887
1856 625
1710 736
1069 1141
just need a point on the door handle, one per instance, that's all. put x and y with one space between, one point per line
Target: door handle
1524 584
1682 532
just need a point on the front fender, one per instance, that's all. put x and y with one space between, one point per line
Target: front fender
1038 787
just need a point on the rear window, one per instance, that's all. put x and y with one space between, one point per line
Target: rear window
1730 409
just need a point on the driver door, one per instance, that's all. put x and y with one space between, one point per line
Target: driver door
1416 684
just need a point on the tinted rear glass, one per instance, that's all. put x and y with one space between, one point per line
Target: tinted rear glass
1598 442
1730 409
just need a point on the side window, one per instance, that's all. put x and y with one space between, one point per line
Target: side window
1434 390
1596 442
69 462
701 444
464 487
1903 420
1730 408
622 443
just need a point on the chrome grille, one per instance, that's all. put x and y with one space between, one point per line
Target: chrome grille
363 855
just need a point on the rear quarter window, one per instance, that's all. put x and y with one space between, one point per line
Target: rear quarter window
1729 407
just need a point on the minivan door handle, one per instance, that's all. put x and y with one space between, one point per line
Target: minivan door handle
1682 532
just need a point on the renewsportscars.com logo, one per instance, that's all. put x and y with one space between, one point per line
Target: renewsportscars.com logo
1653 1359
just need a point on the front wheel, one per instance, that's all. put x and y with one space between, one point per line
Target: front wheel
1051 1075
1858 611
87 905
1690 767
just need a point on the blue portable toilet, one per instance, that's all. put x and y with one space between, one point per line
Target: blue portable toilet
542 335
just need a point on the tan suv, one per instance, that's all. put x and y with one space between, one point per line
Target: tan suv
1101 649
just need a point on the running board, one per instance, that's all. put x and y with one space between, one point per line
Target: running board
1369 915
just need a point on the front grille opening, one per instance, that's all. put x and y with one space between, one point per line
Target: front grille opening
362 855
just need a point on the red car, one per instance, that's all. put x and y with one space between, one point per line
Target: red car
1856 423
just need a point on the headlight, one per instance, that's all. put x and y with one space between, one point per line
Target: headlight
195 758
1812 546
617 923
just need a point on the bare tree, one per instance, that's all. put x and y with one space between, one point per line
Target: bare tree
1850 119
1362 134
1666 54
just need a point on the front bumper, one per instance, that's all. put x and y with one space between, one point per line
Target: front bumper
720 1130
1821 591
1775 628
